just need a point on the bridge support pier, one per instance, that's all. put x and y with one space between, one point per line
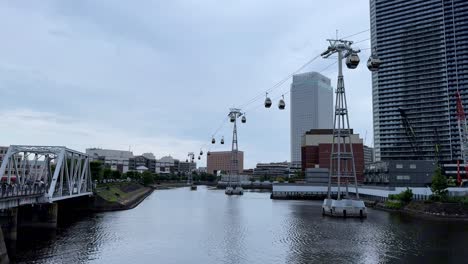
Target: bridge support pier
3 250
39 216
9 223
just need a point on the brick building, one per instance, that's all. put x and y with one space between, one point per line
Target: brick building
316 149
221 161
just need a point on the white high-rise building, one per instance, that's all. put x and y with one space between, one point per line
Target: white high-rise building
311 108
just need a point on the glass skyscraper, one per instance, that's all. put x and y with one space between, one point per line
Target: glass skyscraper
311 108
423 45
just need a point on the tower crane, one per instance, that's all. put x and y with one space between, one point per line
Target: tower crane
409 130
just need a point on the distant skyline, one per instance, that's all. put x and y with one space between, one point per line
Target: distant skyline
159 76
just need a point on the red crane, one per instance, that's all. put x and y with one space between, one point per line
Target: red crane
462 131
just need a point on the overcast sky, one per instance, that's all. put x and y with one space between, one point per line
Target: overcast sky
159 76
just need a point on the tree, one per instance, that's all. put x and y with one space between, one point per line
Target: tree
116 174
107 173
147 178
96 170
451 182
279 179
439 184
299 175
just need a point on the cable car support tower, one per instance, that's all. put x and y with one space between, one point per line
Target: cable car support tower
234 187
342 163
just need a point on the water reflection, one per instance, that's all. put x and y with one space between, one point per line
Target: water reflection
205 226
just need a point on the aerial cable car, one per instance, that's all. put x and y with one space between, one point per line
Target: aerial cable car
232 118
373 63
199 158
244 119
222 141
213 140
352 60
267 101
281 104
201 152
208 153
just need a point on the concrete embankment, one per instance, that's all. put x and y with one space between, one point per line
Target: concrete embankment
432 210
169 185
119 196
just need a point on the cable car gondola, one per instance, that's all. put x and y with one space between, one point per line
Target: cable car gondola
208 153
244 119
213 140
373 63
352 61
281 104
232 118
222 141
201 152
267 101
199 158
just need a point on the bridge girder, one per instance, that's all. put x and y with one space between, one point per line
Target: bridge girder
56 171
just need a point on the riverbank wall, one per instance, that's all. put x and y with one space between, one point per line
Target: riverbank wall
119 196
247 185
427 209
376 197
373 193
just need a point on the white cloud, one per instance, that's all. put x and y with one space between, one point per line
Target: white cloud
162 74
53 129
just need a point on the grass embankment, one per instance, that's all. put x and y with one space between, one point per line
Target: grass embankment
119 196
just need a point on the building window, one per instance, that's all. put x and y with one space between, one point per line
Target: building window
399 166
412 166
403 177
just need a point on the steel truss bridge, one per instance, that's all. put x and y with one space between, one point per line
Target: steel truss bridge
43 174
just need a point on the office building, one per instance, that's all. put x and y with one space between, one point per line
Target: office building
368 155
139 163
423 49
311 108
187 167
165 165
271 170
220 161
316 149
114 159
400 173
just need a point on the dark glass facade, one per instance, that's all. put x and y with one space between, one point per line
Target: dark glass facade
423 45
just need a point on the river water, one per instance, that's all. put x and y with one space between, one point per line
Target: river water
206 226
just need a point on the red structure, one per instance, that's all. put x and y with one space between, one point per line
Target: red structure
462 130
316 148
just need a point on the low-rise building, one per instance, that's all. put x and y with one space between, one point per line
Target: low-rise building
271 170
317 146
114 159
400 173
187 167
165 165
221 161
201 170
139 161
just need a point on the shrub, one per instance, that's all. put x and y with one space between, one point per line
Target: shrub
406 196
393 205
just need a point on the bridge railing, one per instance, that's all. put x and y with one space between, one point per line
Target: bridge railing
14 190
